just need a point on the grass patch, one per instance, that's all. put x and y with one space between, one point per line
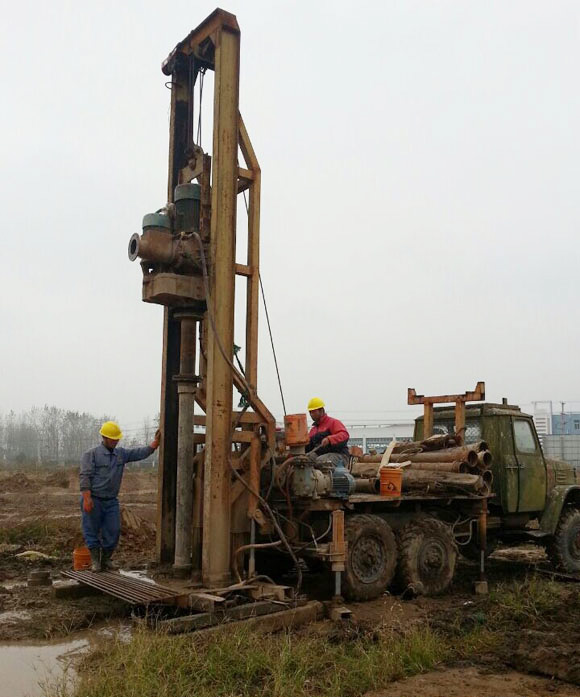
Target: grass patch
244 664
345 663
531 601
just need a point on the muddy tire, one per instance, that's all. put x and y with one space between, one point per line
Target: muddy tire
564 548
371 557
427 556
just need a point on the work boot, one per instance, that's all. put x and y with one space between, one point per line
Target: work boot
96 564
106 562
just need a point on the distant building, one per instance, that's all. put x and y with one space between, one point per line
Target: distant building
566 424
543 422
378 436
559 432
565 447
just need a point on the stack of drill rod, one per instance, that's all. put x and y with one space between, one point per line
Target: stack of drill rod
435 465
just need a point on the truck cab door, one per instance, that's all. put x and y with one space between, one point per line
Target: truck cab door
532 476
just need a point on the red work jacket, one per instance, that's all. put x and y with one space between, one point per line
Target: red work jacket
334 430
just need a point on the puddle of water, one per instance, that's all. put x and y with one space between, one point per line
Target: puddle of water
123 633
140 574
26 668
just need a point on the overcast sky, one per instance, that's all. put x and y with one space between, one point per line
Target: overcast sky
420 200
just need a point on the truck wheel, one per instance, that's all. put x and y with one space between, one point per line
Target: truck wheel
427 556
564 548
371 557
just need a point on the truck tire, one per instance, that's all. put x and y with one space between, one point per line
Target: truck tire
371 557
427 556
564 548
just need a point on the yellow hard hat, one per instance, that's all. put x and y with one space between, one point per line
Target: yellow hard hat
315 403
111 430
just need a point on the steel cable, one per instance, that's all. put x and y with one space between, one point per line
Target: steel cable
269 327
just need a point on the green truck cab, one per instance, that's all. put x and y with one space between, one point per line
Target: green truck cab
535 498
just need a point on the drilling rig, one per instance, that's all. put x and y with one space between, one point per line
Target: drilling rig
188 257
229 487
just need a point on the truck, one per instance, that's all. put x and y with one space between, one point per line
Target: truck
413 541
336 518
535 498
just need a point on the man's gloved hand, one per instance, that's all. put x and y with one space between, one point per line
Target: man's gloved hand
325 442
87 502
155 442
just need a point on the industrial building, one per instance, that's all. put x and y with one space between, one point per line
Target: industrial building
559 432
378 436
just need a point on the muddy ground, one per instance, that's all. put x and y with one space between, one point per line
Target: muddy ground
537 653
41 513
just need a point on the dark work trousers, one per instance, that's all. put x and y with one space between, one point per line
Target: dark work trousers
102 526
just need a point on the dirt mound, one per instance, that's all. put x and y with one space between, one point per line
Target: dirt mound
472 682
548 653
137 536
60 478
135 482
18 482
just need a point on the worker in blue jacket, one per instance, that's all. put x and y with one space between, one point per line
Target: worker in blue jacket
100 481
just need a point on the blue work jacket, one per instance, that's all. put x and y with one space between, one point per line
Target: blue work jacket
102 470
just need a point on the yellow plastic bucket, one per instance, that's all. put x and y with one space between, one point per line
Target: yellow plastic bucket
391 481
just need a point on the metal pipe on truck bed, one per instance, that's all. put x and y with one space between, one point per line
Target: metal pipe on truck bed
371 469
441 466
371 485
467 453
449 455
484 459
443 480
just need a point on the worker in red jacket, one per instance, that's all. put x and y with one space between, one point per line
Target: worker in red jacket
329 436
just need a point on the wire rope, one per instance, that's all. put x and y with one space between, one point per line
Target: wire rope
269 328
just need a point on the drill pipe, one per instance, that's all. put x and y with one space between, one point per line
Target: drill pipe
484 459
445 480
185 446
371 469
430 479
467 453
367 486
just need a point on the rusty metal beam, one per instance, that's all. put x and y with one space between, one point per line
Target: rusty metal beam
243 270
217 20
477 395
238 417
460 399
428 420
216 509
